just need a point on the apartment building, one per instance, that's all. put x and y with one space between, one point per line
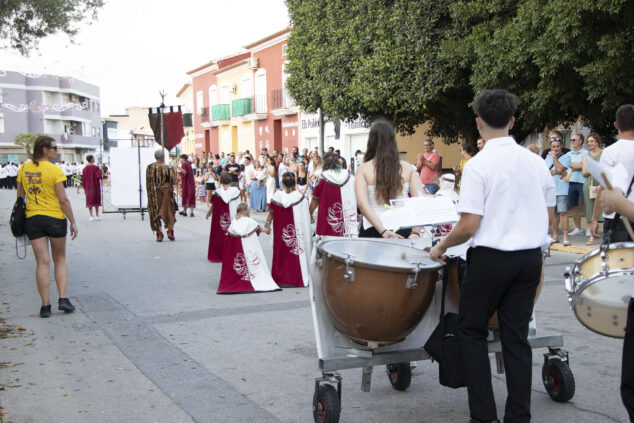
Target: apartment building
65 108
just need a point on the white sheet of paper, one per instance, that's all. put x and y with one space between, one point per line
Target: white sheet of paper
595 168
419 211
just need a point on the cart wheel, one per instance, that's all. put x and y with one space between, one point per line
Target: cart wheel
326 404
400 375
558 380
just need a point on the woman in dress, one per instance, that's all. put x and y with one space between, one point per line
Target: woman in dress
270 178
292 240
244 268
382 177
591 185
258 187
223 207
334 194
466 151
41 183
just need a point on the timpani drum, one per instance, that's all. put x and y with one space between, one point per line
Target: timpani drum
377 292
600 287
453 288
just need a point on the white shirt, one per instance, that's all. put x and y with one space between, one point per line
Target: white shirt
12 170
511 188
248 170
3 172
622 152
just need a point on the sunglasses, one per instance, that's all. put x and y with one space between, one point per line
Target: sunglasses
555 139
52 148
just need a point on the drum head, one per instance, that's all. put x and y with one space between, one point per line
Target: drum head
601 303
378 253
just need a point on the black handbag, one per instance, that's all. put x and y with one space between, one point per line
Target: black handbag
18 217
445 346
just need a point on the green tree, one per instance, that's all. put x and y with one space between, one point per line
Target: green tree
423 61
26 141
24 23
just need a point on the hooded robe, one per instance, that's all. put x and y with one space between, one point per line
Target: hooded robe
292 239
224 204
337 213
244 267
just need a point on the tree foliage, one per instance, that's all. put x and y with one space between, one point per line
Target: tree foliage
24 23
415 61
26 141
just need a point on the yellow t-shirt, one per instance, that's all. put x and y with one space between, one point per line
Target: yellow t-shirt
39 184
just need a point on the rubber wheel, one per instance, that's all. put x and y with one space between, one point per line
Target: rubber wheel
400 375
558 380
326 404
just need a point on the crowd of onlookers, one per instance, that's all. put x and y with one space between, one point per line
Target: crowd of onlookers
8 175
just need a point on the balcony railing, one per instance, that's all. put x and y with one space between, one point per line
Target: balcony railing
281 99
242 106
248 105
187 119
221 112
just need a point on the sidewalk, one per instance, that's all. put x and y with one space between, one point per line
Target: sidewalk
578 242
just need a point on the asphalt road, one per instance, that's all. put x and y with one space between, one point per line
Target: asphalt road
152 342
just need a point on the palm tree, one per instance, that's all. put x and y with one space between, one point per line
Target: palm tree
26 140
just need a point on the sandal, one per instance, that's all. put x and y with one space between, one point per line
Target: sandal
592 240
567 243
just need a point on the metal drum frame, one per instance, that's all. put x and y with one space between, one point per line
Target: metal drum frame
556 374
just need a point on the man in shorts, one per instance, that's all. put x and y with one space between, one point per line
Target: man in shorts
575 185
559 166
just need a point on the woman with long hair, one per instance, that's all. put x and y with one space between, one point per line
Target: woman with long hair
302 178
591 185
382 177
466 151
47 212
271 173
258 187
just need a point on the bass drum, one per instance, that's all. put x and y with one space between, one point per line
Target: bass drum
600 288
453 289
376 291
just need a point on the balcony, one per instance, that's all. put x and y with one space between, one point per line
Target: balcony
187 120
221 112
249 108
283 104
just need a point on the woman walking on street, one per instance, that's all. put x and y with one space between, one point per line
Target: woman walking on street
47 208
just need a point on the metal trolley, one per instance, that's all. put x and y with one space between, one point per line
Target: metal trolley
337 352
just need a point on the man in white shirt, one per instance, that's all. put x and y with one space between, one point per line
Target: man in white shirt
506 198
618 158
12 175
4 177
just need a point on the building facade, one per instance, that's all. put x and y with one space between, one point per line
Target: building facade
186 98
67 109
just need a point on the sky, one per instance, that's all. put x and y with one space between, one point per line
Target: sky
137 48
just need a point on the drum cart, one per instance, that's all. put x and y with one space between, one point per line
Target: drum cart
337 352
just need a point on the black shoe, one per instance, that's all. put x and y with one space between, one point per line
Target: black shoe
191 214
65 305
182 213
45 311
483 421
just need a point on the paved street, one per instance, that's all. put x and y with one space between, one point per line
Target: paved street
152 342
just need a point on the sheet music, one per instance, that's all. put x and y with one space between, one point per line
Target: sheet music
595 168
419 211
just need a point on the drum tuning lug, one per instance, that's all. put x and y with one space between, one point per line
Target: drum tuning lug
568 282
349 276
412 278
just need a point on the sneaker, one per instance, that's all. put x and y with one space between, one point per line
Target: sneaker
576 232
97 218
588 232
567 243
91 219
65 305
45 311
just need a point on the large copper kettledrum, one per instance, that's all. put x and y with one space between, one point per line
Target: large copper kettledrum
376 291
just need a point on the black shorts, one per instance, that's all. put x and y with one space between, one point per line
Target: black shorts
210 186
39 226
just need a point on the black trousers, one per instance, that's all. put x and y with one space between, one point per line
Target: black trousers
505 281
619 233
627 365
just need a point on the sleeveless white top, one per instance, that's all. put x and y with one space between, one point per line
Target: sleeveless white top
379 208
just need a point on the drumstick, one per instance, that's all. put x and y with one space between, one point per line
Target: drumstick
626 222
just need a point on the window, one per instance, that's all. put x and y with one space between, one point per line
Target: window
246 89
86 128
48 98
1 123
260 91
0 95
199 102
